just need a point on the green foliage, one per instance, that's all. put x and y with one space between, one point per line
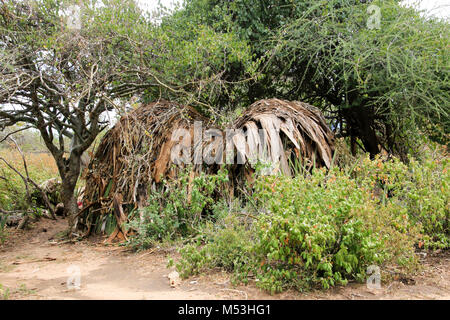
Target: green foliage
3 231
379 84
321 229
420 188
202 65
396 72
178 209
228 247
325 228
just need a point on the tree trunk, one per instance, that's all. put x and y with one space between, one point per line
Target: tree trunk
353 145
69 182
369 140
70 207
361 124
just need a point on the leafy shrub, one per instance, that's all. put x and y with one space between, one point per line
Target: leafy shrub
228 248
320 230
323 229
177 210
421 188
326 228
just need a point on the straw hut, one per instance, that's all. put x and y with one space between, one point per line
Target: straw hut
154 141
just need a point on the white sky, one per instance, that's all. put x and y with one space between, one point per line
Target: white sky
440 8
153 4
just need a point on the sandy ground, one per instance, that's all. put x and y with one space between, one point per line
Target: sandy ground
35 265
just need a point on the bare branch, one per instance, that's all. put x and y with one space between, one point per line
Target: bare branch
11 133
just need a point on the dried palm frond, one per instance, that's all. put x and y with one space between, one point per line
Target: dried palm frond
134 154
276 131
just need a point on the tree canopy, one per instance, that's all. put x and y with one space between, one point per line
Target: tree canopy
378 85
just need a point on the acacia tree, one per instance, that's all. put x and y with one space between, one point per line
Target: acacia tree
376 85
60 79
381 83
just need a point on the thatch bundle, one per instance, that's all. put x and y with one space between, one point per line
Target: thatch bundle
135 155
280 131
132 155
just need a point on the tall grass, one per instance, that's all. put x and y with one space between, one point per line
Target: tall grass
41 166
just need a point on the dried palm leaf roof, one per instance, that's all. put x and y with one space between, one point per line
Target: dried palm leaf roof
270 126
136 152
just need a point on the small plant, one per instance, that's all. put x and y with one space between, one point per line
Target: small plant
229 248
179 209
23 290
4 292
3 230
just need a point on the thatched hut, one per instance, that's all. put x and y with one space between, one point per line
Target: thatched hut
283 133
138 152
131 157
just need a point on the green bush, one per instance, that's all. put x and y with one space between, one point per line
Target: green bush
229 248
323 229
178 209
327 227
421 188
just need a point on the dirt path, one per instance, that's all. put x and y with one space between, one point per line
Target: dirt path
35 266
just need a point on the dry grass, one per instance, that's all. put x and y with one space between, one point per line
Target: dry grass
41 167
39 164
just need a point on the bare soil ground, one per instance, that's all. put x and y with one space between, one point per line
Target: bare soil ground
34 264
